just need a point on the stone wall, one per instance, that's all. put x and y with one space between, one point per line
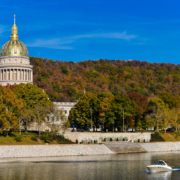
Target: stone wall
52 150
161 146
99 137
125 147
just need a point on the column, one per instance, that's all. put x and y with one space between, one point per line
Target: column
24 75
10 74
27 75
31 75
17 74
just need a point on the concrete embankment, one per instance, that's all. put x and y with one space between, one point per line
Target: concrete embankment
161 146
52 150
125 147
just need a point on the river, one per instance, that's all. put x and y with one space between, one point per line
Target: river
116 167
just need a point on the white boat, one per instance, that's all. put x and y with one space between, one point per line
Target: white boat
160 166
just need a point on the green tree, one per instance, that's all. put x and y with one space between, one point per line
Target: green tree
31 95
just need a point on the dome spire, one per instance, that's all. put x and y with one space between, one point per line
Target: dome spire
14 35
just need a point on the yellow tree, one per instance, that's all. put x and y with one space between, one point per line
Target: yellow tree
156 117
175 118
166 123
58 115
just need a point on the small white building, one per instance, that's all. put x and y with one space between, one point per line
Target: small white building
65 107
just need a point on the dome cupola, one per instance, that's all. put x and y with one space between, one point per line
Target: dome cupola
14 47
15 65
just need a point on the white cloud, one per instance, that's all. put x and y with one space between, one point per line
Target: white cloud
56 43
108 35
2 29
60 43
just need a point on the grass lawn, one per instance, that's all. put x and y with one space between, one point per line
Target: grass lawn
167 137
175 136
26 140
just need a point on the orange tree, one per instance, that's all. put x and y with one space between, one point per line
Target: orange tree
10 106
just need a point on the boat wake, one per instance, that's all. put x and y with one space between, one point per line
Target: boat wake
175 168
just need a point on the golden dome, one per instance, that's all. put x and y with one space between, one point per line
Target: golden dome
14 47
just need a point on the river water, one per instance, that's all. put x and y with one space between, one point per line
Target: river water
116 167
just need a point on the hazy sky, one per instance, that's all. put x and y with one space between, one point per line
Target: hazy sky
77 30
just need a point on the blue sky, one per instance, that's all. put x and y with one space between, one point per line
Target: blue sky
77 30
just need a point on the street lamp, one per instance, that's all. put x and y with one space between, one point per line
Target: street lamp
113 125
123 119
91 118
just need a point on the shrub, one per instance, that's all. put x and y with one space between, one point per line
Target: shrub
144 140
156 137
46 138
62 140
104 139
76 141
111 139
138 140
117 139
123 139
18 138
126 138
95 141
34 138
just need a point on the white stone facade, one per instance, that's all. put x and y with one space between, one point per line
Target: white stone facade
65 106
15 70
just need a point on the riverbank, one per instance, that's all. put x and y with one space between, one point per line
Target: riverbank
52 150
15 151
161 146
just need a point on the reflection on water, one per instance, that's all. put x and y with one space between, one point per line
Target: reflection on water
120 166
160 175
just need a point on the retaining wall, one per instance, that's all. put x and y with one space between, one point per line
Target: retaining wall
52 150
99 137
161 146
125 147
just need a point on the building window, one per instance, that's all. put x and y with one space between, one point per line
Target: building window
65 111
20 52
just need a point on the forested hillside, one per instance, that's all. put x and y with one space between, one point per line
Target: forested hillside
66 81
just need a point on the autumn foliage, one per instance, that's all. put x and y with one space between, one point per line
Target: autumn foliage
66 81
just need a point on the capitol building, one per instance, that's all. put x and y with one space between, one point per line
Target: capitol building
15 68
15 65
